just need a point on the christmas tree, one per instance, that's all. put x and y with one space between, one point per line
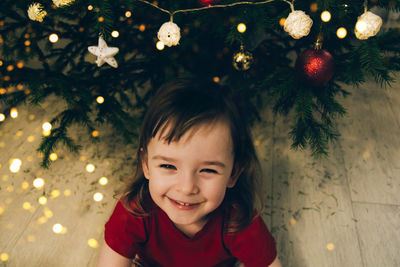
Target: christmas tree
105 59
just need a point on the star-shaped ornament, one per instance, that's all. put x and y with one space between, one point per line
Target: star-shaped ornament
104 53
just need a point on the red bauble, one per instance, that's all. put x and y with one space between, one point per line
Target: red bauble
315 66
206 2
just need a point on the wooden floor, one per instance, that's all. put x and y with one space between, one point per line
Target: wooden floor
340 211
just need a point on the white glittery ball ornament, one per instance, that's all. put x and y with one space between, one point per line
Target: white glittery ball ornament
36 12
298 24
368 25
169 33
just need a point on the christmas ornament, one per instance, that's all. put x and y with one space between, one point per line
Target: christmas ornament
315 66
298 24
242 60
104 53
368 25
36 12
59 3
169 33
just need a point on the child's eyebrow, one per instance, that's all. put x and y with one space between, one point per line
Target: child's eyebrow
215 163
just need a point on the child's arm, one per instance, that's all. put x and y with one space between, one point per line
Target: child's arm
109 257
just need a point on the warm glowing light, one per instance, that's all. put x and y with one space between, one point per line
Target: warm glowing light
13 113
27 43
48 213
57 228
2 117
142 27
326 16
4 257
100 99
31 238
3 91
216 79
103 180
67 192
10 68
20 65
100 19
95 133
31 117
46 133
98 197
361 26
90 168
42 220
314 7
241 27
1 63
55 193
341 32
38 183
15 165
26 206
1 210
42 200
93 243
53 156
282 21
160 45
330 246
53 38
128 14
10 188
46 126
30 138
115 34
90 7
25 185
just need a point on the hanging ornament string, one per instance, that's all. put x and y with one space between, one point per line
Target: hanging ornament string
172 13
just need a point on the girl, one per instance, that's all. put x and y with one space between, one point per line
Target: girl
193 199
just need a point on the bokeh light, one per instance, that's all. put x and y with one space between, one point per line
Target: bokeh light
15 165
53 38
38 183
46 126
160 45
326 16
115 34
103 180
100 99
341 32
42 200
98 197
13 113
90 168
241 27
93 243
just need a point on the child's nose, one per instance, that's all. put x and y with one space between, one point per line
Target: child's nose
188 184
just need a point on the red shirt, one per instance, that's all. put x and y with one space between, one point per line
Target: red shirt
159 243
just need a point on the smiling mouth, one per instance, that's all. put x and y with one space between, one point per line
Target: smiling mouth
184 203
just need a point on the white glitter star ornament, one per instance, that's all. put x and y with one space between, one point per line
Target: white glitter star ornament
104 53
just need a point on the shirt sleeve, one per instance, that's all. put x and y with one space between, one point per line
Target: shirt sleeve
124 232
254 245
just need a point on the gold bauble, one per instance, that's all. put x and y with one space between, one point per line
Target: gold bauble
242 60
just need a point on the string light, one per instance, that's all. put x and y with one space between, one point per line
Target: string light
15 165
4 257
25 185
67 192
90 7
53 38
98 197
142 27
38 183
100 19
100 99
128 14
55 193
115 34
314 7
103 180
93 243
95 133
216 79
241 27
160 45
2 117
282 22
42 200
326 16
3 91
46 126
10 68
90 168
13 113
341 32
27 43
53 156
26 206
57 228
48 213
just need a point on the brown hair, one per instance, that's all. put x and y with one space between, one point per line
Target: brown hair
181 105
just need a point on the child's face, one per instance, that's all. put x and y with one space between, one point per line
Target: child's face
188 178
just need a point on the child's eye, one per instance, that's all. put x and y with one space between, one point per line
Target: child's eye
168 166
209 170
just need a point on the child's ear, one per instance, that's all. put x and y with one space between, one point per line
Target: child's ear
236 172
145 167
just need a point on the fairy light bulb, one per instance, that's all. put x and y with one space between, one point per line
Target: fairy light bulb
90 168
326 16
142 27
38 183
93 243
46 126
160 45
115 34
42 200
13 113
103 180
2 117
98 197
90 7
15 165
4 257
57 228
53 156
341 32
100 99
53 38
95 133
128 14
241 27
282 22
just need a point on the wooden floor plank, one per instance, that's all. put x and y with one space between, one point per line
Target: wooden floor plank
379 231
